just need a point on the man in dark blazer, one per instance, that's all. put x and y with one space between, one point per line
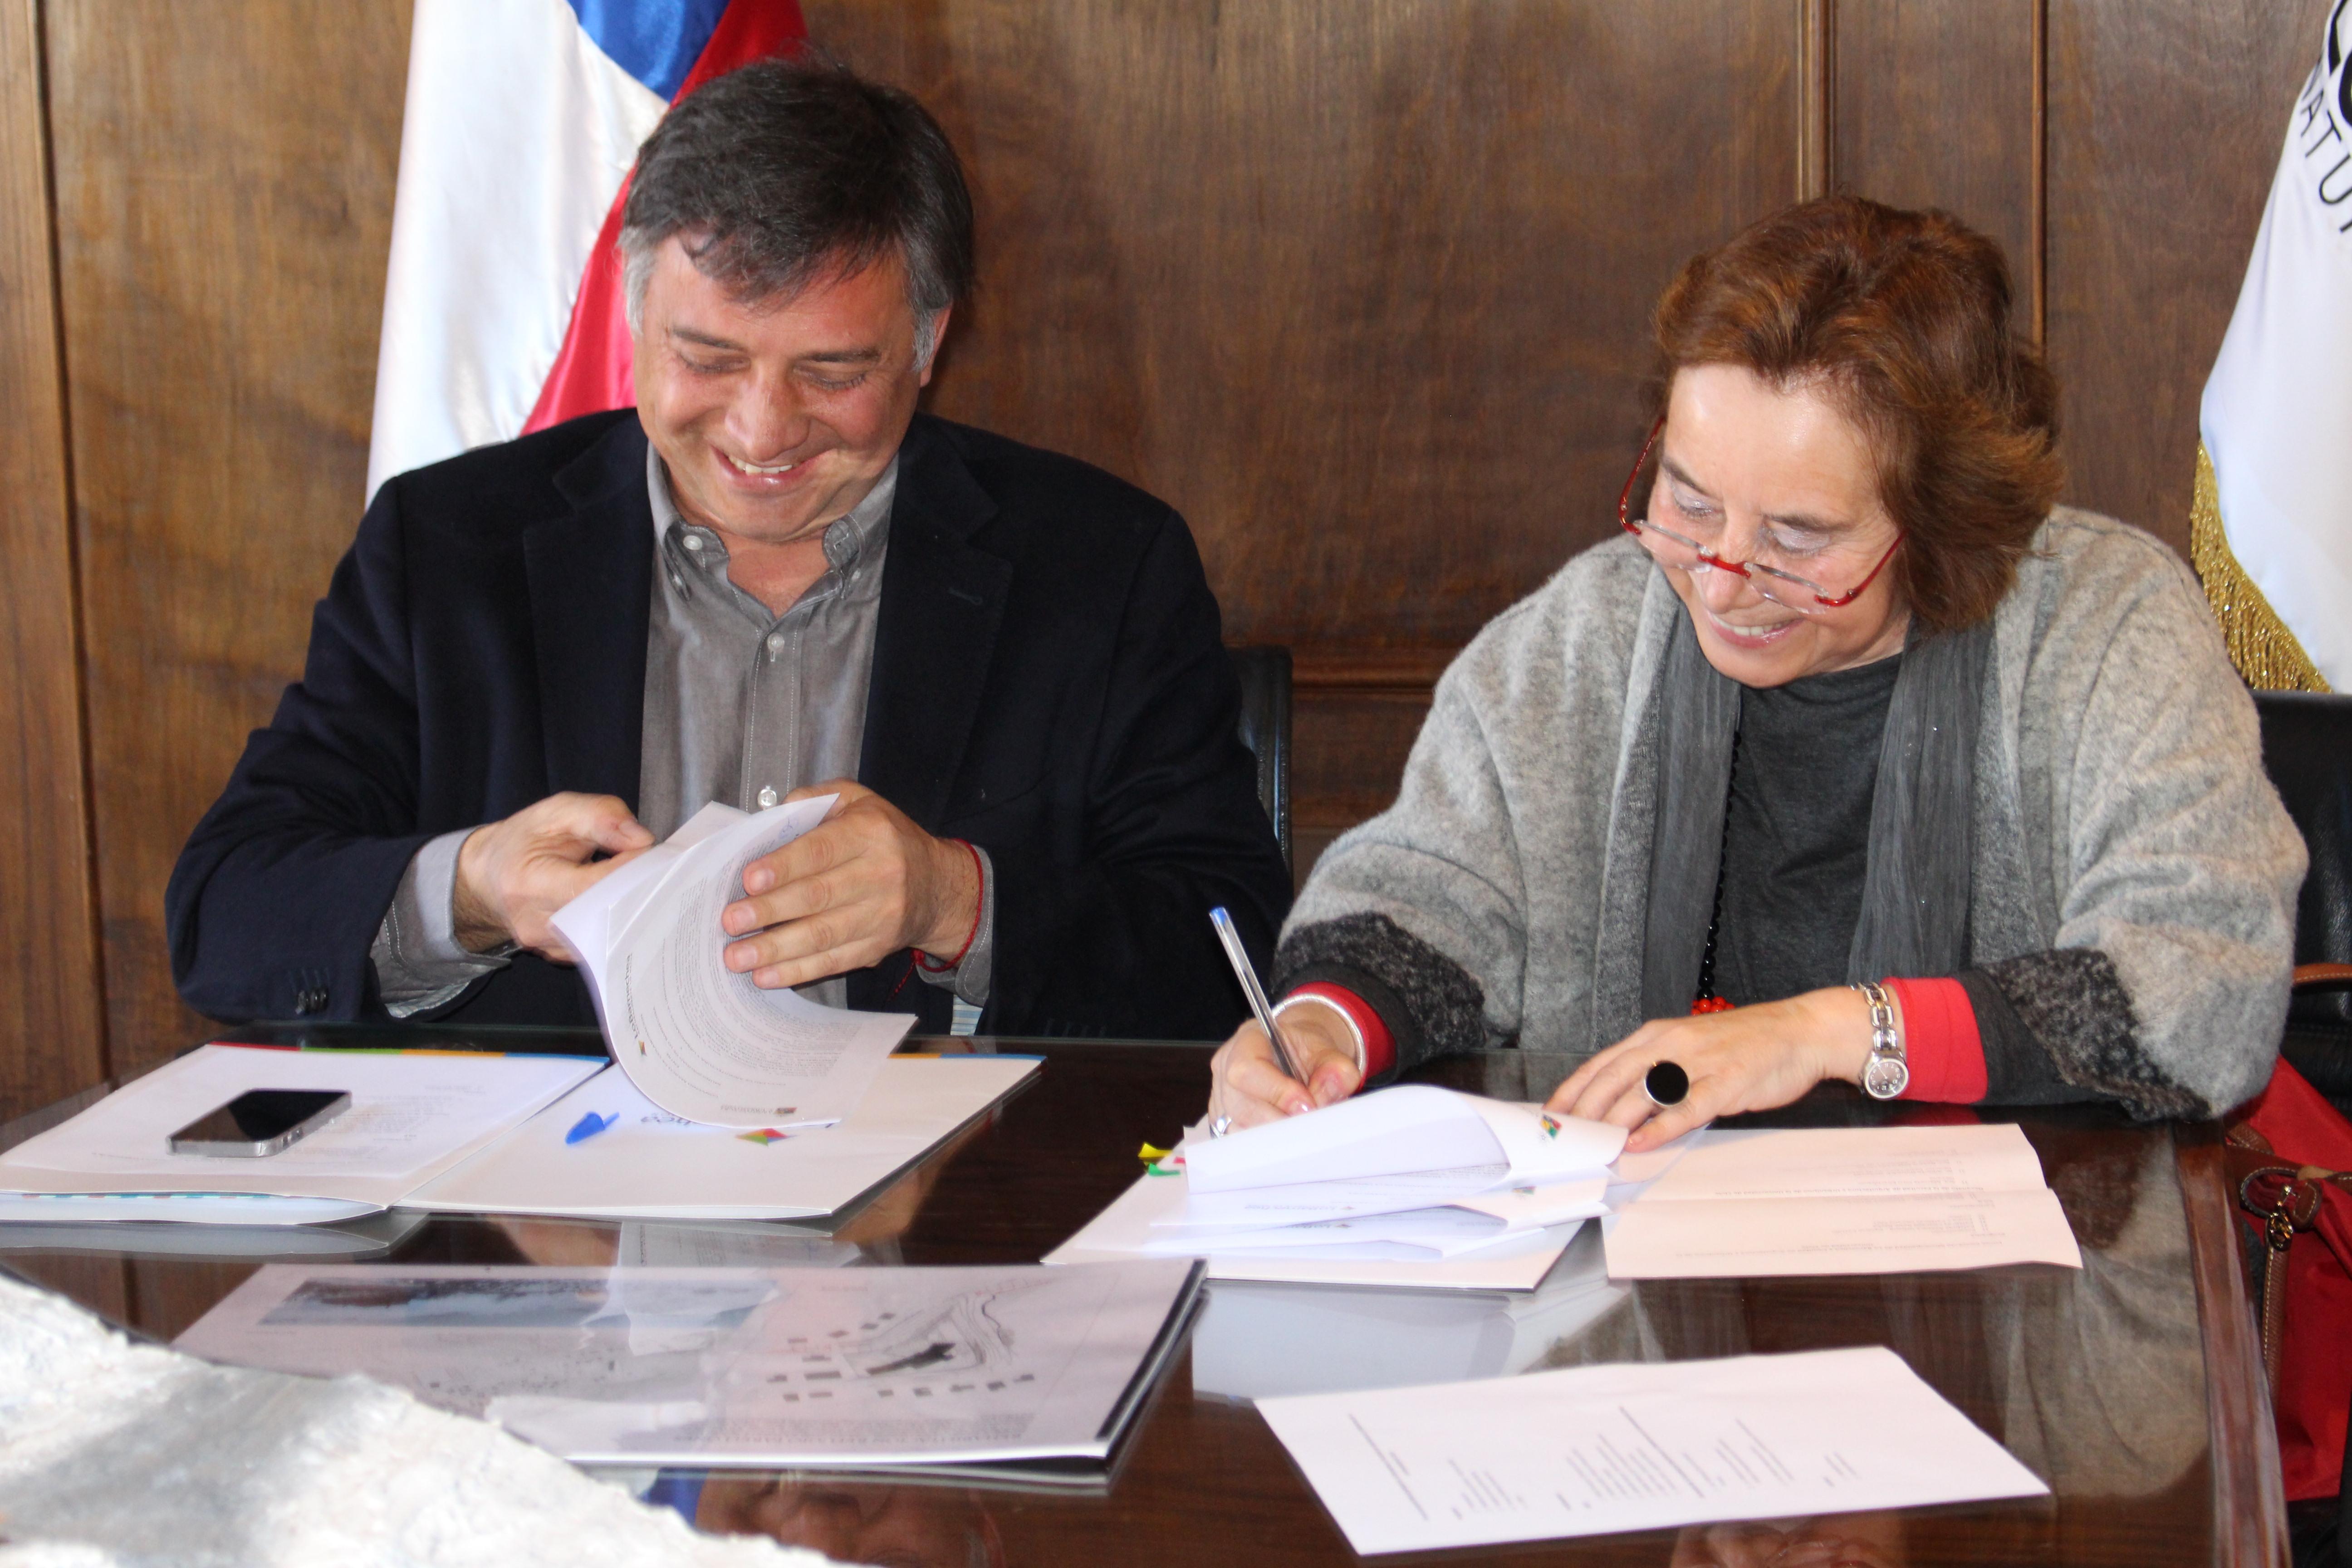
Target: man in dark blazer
774 578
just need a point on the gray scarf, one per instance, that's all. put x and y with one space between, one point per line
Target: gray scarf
1915 884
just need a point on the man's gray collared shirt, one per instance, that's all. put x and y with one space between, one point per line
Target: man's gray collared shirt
740 706
744 706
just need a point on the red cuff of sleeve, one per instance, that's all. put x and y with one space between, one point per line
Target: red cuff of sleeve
1940 1043
1379 1045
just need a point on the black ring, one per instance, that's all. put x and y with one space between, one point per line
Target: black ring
1666 1085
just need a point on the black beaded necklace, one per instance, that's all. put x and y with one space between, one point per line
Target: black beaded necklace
1707 1001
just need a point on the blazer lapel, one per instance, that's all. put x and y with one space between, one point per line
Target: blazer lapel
942 601
591 577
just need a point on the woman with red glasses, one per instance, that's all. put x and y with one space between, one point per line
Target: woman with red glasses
1853 758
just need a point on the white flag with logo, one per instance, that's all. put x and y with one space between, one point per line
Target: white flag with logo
2277 414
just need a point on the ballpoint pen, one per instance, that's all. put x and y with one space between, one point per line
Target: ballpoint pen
1252 989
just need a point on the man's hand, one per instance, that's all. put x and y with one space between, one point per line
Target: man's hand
1750 1058
1247 1084
849 893
512 875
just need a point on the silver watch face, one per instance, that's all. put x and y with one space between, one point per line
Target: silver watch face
1883 1077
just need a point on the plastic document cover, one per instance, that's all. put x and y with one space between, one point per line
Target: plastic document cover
1026 1369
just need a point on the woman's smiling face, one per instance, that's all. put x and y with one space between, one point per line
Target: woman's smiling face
1757 470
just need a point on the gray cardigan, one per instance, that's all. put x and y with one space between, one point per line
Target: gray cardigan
2134 878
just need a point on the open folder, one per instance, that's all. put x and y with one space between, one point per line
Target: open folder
484 1134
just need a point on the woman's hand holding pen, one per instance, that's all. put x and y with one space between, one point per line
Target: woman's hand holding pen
1248 1084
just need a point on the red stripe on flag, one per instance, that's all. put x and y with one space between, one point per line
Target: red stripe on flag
594 370
748 30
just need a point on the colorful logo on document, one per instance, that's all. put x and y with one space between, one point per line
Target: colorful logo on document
1551 1127
764 1137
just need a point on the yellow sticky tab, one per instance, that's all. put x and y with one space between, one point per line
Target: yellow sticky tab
1151 1153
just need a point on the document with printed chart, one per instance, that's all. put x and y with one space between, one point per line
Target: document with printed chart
605 1150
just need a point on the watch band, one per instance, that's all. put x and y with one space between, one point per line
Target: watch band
1355 1030
1885 1075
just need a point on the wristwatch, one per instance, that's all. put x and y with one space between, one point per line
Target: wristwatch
1885 1074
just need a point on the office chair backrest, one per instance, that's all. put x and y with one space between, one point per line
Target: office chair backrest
2307 749
1264 675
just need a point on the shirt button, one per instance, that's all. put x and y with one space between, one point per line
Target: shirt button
767 796
692 542
776 642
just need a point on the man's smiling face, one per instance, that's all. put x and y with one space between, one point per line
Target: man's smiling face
775 417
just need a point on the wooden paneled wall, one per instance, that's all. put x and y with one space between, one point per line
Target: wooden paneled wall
1360 284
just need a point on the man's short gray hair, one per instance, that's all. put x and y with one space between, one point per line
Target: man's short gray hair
776 173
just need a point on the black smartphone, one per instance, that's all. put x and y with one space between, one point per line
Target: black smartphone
261 1121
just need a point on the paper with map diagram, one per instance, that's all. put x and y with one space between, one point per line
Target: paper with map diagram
947 1370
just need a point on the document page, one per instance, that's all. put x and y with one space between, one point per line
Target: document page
697 1039
1599 1449
589 923
1843 1200
825 1367
413 1115
636 1161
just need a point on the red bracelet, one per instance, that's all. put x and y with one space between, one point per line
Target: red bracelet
979 903
1940 1038
1379 1045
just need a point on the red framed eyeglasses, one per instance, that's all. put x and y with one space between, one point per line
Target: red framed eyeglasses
1688 554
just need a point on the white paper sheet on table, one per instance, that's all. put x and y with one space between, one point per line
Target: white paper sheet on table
1600 1449
654 1165
697 1039
413 1115
1845 1200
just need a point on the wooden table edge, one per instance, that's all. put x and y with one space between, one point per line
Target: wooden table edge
2249 1497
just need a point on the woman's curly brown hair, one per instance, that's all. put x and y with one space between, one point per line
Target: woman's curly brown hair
1904 320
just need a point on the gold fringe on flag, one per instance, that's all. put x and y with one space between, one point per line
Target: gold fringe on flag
2262 648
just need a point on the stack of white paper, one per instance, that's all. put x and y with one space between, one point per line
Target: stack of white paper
697 1039
1597 1449
1844 1200
1410 1186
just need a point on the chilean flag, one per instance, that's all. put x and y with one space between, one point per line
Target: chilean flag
502 308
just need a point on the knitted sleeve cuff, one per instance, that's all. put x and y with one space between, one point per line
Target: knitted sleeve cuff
1430 1003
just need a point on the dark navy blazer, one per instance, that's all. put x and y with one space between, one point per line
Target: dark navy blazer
1048 683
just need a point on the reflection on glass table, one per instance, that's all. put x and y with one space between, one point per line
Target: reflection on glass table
2132 1385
